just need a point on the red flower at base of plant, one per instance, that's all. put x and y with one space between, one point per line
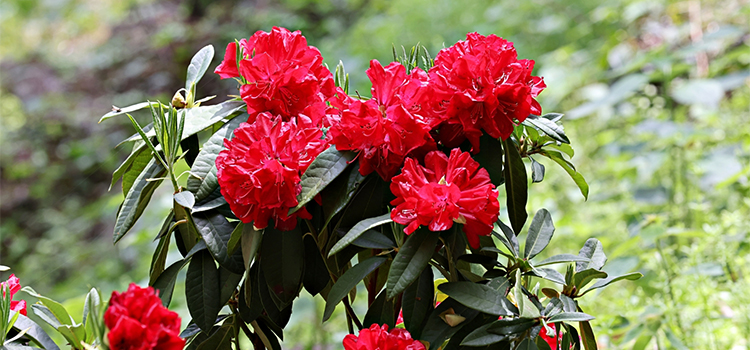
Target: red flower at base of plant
13 285
281 74
551 340
444 191
259 169
487 87
379 338
137 320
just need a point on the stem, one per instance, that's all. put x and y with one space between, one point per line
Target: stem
451 265
670 292
350 312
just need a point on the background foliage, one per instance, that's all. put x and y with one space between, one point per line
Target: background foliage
656 97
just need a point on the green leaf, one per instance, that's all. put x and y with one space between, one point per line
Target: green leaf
316 276
325 168
203 180
592 250
46 315
478 297
358 230
165 283
412 258
537 171
132 167
137 198
228 282
220 340
348 281
541 230
417 302
57 310
185 198
527 344
562 258
676 343
159 259
516 186
216 231
374 239
548 127
132 108
570 317
282 263
35 332
381 311
587 336
198 66
506 235
91 307
490 158
508 326
202 290
235 238
611 279
339 192
551 275
582 278
436 330
251 239
570 169
481 337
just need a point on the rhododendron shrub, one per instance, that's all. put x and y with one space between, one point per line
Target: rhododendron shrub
425 180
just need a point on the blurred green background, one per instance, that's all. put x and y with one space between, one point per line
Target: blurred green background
656 95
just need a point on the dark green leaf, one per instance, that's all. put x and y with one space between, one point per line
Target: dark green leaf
481 337
582 278
436 330
316 276
283 272
132 167
516 185
611 279
202 290
202 180
562 258
570 317
570 169
235 238
190 148
506 235
509 326
537 171
216 231
592 250
548 127
228 282
374 239
35 332
381 311
551 275
339 192
478 297
164 284
159 259
417 302
119 111
358 230
587 336
324 169
348 281
276 315
412 258
554 307
490 158
137 198
198 66
540 233
251 239
220 340
527 344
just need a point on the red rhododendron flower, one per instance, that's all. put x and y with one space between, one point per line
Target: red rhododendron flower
279 72
445 190
551 340
13 285
388 127
378 338
487 88
137 320
259 169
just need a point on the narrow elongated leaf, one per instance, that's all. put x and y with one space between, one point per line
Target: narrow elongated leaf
235 238
202 290
592 250
478 297
509 326
611 279
541 230
557 157
412 258
562 258
381 311
570 317
358 230
228 282
282 262
481 337
417 302
35 332
506 235
437 330
316 276
490 158
582 278
137 198
251 239
340 191
216 231
203 180
551 275
198 66
516 185
124 110
325 168
57 310
548 127
374 239
165 283
348 281
136 163
220 340
527 344
159 259
587 336
537 171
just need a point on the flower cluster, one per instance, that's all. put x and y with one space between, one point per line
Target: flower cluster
136 319
279 73
446 190
13 285
259 169
486 88
379 338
